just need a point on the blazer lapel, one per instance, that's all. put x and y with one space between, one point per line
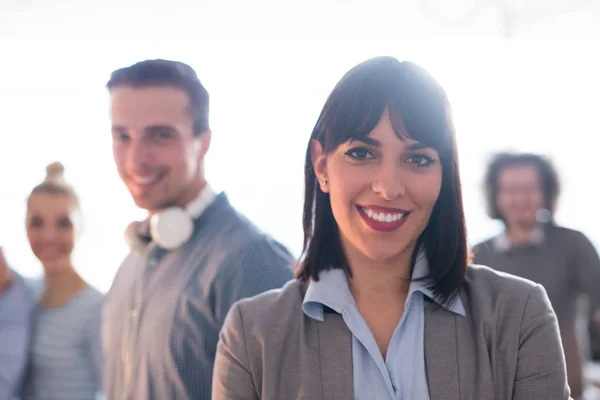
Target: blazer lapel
335 353
441 356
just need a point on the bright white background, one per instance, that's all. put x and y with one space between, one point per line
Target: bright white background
269 67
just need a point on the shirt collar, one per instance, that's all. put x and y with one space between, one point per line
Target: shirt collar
195 208
137 234
332 291
503 244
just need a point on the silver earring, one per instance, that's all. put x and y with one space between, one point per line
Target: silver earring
323 182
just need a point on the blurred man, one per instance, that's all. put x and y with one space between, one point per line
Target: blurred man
192 258
16 305
522 192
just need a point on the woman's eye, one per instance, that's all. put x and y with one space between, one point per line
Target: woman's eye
359 154
420 160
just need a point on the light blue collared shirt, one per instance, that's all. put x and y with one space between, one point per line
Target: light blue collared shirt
402 375
16 307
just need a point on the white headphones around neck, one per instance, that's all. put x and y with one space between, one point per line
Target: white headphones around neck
171 227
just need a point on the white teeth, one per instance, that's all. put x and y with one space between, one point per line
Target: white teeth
382 217
144 180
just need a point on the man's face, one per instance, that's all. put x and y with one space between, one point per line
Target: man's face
158 155
520 195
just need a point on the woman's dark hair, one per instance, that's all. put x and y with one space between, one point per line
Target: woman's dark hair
167 73
546 171
418 109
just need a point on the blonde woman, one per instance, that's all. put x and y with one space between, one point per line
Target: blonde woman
66 353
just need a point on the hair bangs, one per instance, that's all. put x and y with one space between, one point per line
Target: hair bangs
416 105
422 114
352 116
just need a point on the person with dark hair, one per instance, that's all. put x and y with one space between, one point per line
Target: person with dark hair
194 255
522 191
385 304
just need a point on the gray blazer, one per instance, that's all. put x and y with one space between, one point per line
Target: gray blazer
506 347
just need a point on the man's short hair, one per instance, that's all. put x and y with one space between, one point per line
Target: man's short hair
167 73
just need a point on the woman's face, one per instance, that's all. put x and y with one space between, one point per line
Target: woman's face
382 191
50 229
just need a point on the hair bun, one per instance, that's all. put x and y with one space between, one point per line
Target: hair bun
54 172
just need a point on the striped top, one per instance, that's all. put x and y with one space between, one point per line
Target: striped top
66 353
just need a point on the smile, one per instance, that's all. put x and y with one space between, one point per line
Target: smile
383 219
144 180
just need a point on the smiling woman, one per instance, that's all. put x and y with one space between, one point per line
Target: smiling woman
385 305
392 146
66 352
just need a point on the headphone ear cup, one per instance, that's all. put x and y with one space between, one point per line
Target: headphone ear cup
171 228
132 237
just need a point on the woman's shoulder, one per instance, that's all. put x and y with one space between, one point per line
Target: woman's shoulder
268 310
511 322
286 298
92 295
478 274
486 245
488 291
89 301
482 278
89 306
482 251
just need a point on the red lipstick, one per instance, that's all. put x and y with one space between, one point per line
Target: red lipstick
382 219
